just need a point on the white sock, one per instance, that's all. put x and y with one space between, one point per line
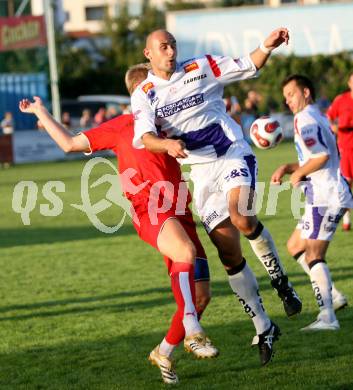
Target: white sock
166 349
347 217
245 287
265 250
190 320
321 283
304 265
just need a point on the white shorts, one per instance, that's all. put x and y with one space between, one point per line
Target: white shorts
319 223
213 180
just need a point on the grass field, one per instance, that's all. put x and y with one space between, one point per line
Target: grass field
80 309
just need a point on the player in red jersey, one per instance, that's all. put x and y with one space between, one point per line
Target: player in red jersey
152 180
340 114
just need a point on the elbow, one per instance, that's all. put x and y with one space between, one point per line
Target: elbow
325 158
68 147
146 142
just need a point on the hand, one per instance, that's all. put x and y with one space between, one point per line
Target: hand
296 178
175 148
277 175
276 38
29 107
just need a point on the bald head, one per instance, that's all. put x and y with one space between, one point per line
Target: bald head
161 51
158 36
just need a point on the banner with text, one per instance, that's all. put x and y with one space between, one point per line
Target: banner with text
22 33
314 29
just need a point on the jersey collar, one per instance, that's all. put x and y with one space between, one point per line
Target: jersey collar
175 76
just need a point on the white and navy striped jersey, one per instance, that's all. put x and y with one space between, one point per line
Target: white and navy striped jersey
313 138
190 106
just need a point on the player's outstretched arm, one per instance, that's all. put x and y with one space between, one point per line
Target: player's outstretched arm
277 37
65 140
173 147
283 170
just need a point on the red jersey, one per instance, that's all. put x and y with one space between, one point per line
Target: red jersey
139 167
341 109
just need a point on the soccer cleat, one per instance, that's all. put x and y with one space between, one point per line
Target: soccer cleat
346 227
211 346
166 365
320 324
201 346
339 301
265 343
291 302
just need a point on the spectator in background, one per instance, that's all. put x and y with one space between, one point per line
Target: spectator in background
340 114
7 124
66 119
86 120
233 107
323 103
112 112
250 111
125 108
100 116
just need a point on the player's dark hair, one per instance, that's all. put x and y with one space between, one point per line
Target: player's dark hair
302 82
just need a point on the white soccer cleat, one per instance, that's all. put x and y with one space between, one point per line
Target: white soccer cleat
320 324
166 365
339 301
201 346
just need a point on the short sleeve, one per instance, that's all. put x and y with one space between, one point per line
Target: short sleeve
314 141
144 117
226 69
106 136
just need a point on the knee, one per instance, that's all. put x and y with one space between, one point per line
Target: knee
291 247
244 224
230 255
188 252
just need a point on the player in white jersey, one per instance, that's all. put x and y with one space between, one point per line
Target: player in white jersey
326 191
184 101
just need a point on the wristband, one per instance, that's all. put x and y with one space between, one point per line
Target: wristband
264 49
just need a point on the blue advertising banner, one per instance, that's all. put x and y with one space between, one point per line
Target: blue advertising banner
315 29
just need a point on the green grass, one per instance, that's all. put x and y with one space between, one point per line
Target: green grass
80 309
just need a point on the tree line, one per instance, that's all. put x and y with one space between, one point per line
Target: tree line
81 72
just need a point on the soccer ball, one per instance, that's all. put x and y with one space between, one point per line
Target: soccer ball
266 132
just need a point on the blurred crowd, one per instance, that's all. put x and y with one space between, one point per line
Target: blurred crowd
244 113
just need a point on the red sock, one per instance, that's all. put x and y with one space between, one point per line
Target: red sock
176 331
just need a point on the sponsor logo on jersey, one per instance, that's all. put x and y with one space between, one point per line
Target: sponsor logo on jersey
151 95
190 67
196 78
309 142
180 105
147 87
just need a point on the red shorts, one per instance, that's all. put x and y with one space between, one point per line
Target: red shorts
346 163
149 231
